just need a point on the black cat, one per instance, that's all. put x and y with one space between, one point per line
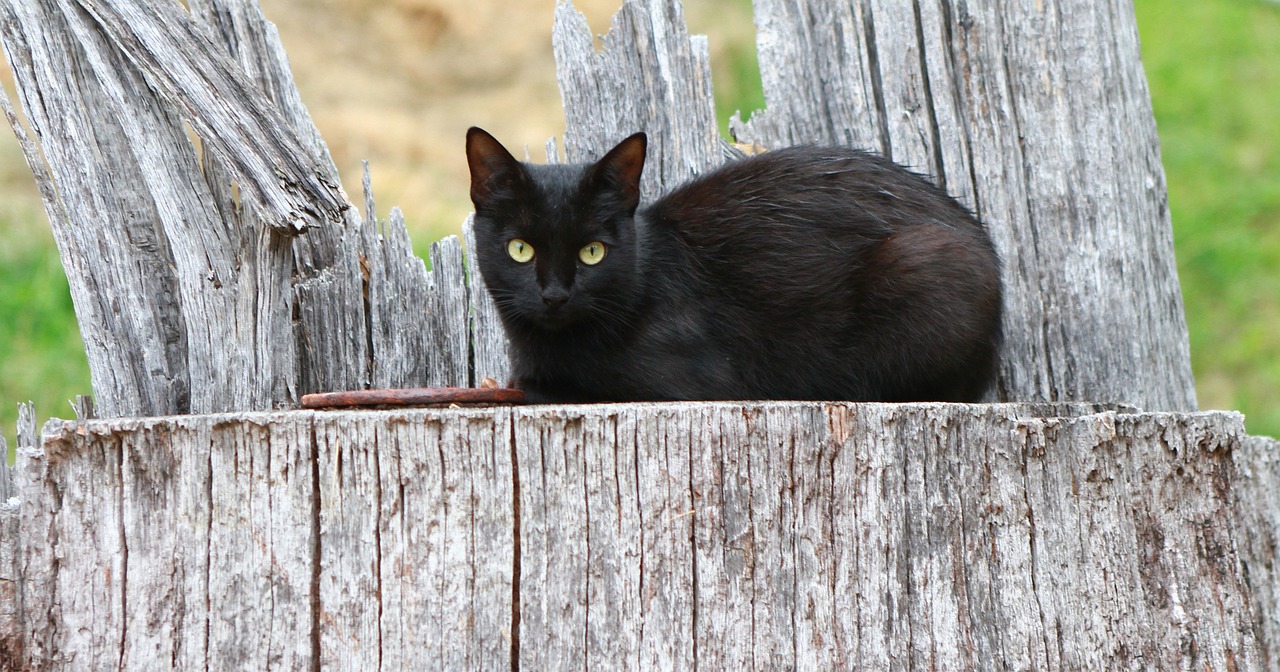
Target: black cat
805 273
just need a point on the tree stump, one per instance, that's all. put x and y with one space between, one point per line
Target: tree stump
651 536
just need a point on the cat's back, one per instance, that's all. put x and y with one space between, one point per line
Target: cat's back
803 191
810 209
822 256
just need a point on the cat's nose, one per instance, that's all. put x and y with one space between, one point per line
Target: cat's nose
554 298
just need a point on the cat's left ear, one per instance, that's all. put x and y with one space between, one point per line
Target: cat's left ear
487 159
623 165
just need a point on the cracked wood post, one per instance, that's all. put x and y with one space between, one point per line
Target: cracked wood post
190 298
652 536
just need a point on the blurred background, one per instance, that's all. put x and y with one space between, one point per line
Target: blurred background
397 83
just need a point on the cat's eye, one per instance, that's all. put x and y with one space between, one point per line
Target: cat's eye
520 250
592 253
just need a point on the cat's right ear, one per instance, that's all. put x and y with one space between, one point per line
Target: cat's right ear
487 159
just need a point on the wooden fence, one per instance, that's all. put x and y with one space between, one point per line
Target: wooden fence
1071 530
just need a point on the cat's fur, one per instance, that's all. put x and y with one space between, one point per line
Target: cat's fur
803 273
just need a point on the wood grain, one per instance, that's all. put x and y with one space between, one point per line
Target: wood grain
659 536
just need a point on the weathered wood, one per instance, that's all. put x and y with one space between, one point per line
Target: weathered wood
201 82
121 276
1038 117
999 104
6 480
1085 239
13 585
23 587
11 643
316 339
664 536
186 300
657 536
652 76
1258 460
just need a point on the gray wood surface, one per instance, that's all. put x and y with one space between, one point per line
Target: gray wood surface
652 536
192 295
1259 462
295 191
11 646
13 588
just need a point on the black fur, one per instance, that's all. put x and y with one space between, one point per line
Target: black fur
803 273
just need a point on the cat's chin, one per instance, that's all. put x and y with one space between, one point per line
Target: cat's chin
553 321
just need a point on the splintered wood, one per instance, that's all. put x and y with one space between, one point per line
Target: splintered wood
721 535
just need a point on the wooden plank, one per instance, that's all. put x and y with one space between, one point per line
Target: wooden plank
347 459
418 318
614 551
815 597
88 563
770 458
200 282
326 267
6 479
824 42
121 277
406 501
32 641
487 622
651 76
165 506
220 325
411 520
723 542
551 469
445 344
262 536
665 498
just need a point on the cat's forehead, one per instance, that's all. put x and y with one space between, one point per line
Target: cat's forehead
558 188
557 182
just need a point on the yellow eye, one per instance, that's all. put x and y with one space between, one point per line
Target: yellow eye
592 254
520 250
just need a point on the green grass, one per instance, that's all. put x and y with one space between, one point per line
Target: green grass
1214 70
41 355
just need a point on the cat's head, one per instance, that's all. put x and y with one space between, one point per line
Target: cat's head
557 243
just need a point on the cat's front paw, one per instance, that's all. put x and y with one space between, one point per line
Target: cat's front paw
535 393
